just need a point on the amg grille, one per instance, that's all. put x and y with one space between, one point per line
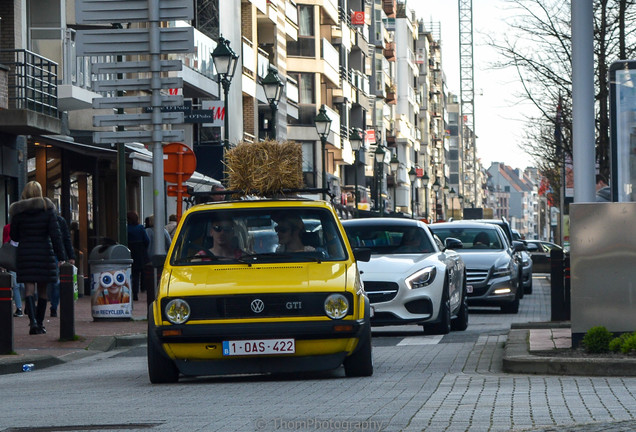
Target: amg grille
379 292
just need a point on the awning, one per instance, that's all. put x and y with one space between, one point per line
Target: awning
67 143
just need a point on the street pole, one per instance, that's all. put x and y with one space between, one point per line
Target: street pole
355 180
274 107
323 142
226 121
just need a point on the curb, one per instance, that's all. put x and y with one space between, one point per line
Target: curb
517 359
42 361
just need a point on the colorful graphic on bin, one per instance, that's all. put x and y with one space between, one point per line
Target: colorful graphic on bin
110 292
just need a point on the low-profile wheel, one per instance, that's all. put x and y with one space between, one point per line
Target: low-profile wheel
443 326
520 289
160 368
528 289
360 363
512 307
460 323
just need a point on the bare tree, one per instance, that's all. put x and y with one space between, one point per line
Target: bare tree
539 47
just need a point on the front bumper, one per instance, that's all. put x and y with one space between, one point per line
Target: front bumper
489 298
407 306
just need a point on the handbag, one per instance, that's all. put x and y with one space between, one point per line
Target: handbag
8 256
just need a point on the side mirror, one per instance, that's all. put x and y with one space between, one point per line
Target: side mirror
453 243
518 246
362 254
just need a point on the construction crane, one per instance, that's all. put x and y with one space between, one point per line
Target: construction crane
467 95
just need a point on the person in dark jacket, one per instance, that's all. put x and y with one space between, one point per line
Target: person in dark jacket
34 226
138 242
54 289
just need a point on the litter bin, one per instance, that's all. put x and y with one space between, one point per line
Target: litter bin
110 267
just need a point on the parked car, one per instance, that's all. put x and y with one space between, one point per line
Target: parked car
410 278
507 229
526 264
539 250
491 269
231 302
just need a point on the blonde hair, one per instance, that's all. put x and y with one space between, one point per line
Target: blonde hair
32 189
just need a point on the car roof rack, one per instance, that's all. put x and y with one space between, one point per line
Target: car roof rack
201 197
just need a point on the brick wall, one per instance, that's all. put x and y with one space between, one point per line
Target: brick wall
4 87
248 115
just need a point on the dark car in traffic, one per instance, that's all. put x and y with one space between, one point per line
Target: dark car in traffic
539 251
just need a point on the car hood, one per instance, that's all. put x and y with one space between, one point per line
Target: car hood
243 279
403 264
484 260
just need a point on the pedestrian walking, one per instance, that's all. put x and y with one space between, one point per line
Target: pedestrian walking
34 226
138 242
17 288
54 289
171 226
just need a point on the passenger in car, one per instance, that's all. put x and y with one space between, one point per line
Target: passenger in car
224 245
411 241
481 240
290 230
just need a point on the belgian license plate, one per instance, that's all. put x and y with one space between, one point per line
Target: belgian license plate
259 346
469 289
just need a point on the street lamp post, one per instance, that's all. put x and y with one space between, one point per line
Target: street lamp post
436 187
425 180
395 165
413 179
323 124
452 194
444 195
379 159
355 138
225 61
460 198
273 88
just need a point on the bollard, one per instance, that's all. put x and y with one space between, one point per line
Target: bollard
557 299
566 286
6 317
67 303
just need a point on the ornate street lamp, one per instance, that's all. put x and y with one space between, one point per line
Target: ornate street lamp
452 194
273 88
394 163
355 138
225 61
323 125
436 187
413 179
425 179
379 159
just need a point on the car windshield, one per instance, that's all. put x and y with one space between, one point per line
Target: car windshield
473 238
258 235
389 239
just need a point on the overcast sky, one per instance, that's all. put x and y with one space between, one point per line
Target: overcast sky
499 117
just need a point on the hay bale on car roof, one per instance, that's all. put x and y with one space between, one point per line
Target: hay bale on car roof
266 167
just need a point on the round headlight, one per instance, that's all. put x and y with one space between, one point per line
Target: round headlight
177 311
336 306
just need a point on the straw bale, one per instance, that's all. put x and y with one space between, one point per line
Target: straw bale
265 167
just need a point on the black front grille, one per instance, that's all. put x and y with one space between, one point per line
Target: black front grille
244 305
379 292
420 307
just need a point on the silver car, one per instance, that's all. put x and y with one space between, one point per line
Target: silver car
491 269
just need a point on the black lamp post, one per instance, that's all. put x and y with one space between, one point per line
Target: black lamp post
394 163
323 124
425 180
436 187
379 159
225 61
452 194
273 88
355 138
460 198
444 195
413 179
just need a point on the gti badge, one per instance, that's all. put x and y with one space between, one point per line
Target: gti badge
257 305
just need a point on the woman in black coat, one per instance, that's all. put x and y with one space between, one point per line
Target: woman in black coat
34 226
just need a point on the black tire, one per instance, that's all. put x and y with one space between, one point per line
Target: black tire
512 307
528 289
460 323
520 289
161 370
444 325
360 363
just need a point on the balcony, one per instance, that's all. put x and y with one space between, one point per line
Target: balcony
32 94
391 97
389 51
389 7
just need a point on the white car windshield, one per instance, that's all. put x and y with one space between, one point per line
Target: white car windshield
389 239
478 239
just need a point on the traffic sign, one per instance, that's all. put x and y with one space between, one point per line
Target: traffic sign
136 136
133 41
113 11
133 84
134 67
136 119
179 162
135 101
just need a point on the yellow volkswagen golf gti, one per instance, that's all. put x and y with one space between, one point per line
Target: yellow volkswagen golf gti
259 286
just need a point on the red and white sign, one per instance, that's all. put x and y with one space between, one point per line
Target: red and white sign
219 112
369 136
175 91
357 18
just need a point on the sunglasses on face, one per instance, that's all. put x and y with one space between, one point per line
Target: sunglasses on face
226 228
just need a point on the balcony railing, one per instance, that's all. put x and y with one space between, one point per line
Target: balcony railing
32 81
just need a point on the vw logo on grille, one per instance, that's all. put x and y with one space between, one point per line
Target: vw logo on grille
257 306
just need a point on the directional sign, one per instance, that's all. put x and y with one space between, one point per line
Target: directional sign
136 119
134 67
113 11
133 41
135 101
136 136
135 84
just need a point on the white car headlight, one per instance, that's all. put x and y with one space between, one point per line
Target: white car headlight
502 272
421 278
177 311
336 306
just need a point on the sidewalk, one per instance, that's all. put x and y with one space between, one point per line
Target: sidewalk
92 337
